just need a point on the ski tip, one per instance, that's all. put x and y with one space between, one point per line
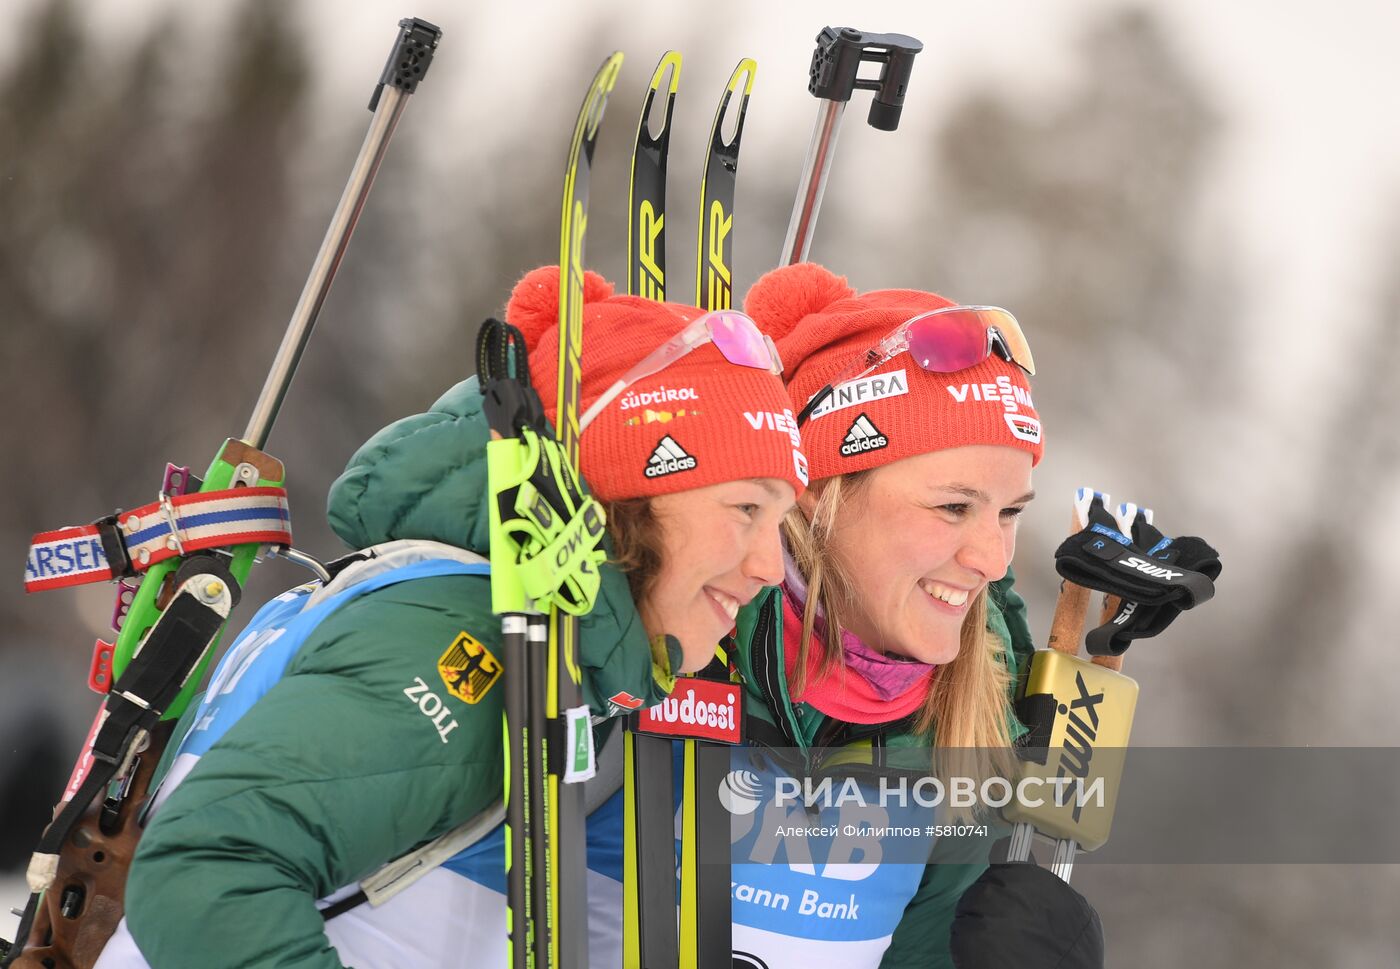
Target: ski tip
671 59
746 70
598 91
652 133
611 65
606 75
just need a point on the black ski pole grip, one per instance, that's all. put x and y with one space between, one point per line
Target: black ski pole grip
835 70
410 59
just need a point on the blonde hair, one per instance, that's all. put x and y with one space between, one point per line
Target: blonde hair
967 706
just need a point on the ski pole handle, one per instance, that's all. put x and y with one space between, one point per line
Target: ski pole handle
1072 604
1071 607
834 77
1110 609
1058 696
408 62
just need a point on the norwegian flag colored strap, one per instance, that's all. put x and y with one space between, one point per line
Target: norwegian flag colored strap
158 531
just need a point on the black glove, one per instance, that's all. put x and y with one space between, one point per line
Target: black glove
1021 916
1137 620
1102 558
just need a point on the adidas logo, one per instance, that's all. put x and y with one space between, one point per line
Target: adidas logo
668 458
863 436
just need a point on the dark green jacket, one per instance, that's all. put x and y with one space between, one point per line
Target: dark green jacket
921 939
337 769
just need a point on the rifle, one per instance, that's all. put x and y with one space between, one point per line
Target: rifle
180 563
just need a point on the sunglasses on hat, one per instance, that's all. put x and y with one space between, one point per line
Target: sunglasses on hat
940 341
736 337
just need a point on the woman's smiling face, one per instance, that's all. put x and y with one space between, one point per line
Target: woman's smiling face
720 546
921 538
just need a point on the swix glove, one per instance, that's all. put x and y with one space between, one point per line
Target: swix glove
1139 620
1101 557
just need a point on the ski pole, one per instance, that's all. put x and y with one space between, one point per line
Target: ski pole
835 75
1080 714
169 624
1150 579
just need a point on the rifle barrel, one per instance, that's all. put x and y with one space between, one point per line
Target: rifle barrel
323 270
813 182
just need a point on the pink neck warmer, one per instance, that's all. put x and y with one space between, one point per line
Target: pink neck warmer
872 688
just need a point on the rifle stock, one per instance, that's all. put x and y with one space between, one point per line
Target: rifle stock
80 911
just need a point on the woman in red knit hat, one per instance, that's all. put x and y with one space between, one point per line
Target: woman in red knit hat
673 440
895 624
359 721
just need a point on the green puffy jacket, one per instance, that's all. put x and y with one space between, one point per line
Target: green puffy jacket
921 939
336 769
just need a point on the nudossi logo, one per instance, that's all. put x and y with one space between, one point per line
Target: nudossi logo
704 709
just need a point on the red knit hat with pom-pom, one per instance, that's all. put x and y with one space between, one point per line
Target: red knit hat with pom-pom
700 421
822 326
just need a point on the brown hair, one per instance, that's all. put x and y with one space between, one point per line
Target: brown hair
967 707
636 537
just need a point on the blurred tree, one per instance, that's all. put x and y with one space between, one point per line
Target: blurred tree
1312 630
1085 217
122 217
505 221
1081 212
158 225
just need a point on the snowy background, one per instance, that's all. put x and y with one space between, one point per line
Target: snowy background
1193 208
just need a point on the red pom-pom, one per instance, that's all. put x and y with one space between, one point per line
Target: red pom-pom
534 303
784 296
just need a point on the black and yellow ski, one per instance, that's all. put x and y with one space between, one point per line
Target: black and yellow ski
714 258
646 202
648 863
565 843
705 911
549 740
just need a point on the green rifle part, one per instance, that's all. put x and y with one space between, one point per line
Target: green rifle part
230 468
